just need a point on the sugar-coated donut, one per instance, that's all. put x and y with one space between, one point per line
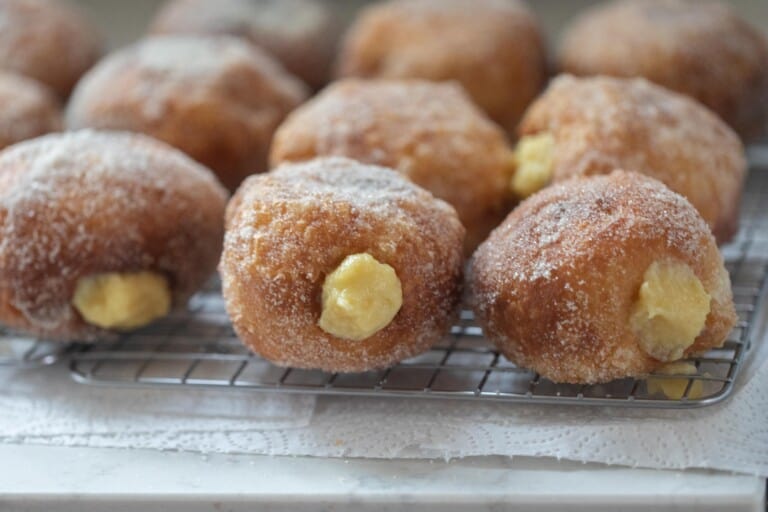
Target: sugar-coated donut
217 99
583 126
493 48
600 278
48 40
27 109
340 266
102 231
299 33
432 133
696 47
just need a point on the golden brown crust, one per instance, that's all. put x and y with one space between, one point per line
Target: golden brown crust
493 48
27 109
553 286
299 33
429 132
288 229
50 41
80 203
699 48
217 99
600 124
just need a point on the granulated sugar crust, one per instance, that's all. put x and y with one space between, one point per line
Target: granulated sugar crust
50 41
701 48
27 109
493 48
432 133
87 202
288 229
218 99
299 33
600 124
553 286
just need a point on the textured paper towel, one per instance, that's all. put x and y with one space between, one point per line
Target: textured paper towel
45 403
45 407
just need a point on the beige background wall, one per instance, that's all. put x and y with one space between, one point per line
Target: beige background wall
125 20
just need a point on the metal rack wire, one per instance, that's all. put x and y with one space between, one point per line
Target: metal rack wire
199 348
24 352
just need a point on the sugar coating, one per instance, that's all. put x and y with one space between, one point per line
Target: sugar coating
218 99
554 285
696 47
288 229
173 65
27 109
600 124
87 202
299 33
52 42
432 133
494 48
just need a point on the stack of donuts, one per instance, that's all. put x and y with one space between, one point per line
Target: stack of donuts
354 191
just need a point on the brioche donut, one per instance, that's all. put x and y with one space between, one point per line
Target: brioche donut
299 33
431 133
699 48
493 48
583 126
340 266
27 109
102 232
217 99
50 41
600 278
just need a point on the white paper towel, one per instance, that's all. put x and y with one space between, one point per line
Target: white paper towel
45 407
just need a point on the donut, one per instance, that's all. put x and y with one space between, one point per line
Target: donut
585 126
298 33
493 48
27 109
50 41
430 132
600 278
695 47
340 266
102 232
217 99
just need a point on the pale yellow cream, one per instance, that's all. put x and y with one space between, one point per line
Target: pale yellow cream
533 164
670 311
360 297
122 300
675 388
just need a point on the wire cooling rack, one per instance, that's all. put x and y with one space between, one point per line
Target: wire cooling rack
198 348
23 352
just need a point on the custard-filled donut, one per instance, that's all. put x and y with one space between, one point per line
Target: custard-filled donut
493 48
102 232
50 41
429 132
27 109
299 33
601 278
217 99
341 266
696 47
583 126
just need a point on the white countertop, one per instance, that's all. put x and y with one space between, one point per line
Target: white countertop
37 478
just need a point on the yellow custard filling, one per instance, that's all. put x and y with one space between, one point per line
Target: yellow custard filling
122 300
360 297
670 311
533 164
